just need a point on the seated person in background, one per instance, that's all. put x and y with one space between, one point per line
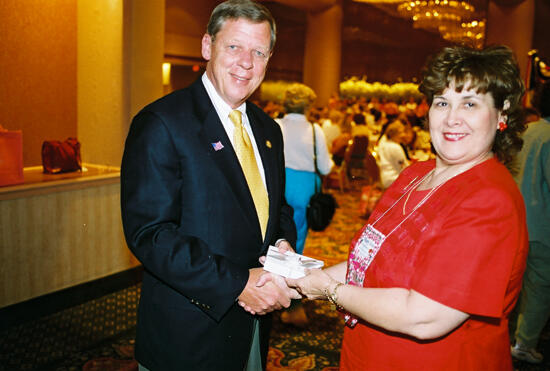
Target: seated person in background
391 156
313 115
339 145
390 107
409 137
410 106
422 146
331 127
369 117
375 126
359 125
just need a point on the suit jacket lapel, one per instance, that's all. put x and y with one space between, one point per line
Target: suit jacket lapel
211 133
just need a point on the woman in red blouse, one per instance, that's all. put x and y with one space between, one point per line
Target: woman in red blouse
432 277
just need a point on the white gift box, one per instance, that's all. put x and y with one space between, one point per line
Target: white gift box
289 264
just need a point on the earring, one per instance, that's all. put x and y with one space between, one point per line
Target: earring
502 126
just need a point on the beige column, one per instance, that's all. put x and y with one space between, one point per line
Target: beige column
512 25
146 52
322 56
119 69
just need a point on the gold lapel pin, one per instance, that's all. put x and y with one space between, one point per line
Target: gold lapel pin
268 143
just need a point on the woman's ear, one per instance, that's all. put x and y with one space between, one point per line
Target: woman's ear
501 116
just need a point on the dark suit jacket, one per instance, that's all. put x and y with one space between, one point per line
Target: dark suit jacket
188 216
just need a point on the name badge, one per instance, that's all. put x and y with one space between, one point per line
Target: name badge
361 256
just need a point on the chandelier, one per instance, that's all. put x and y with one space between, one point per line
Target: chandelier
379 1
472 33
434 14
452 19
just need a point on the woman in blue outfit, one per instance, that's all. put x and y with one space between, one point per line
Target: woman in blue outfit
300 169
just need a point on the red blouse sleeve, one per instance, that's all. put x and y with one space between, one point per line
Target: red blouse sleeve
468 262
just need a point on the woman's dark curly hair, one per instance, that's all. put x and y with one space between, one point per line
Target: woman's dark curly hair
493 70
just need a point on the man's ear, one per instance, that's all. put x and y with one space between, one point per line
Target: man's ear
206 45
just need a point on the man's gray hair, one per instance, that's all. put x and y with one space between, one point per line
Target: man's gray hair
237 9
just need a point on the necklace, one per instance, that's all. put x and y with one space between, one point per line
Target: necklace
413 188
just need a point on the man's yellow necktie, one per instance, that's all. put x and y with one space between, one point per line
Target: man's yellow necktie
245 153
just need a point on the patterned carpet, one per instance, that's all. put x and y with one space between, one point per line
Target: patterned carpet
318 346
98 335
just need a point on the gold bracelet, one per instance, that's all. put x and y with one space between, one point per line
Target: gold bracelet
333 296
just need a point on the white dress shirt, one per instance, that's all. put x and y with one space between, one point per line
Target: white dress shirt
223 109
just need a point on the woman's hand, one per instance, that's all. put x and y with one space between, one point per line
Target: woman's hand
313 285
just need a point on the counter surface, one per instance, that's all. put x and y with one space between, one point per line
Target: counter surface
37 183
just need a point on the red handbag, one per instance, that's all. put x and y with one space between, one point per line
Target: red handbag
61 157
11 157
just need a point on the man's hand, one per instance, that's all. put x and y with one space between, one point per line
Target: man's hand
272 294
281 284
284 246
262 299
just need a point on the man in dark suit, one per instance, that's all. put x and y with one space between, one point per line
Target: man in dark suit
197 217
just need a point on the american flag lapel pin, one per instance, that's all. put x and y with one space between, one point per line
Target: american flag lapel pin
217 146
268 143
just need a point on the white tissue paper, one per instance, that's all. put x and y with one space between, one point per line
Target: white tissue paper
289 264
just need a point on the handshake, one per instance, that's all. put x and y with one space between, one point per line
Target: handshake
267 289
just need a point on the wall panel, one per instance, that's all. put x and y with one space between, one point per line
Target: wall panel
57 240
38 71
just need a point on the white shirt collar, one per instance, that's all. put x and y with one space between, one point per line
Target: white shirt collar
222 108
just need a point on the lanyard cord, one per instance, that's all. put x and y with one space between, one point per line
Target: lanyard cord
410 188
